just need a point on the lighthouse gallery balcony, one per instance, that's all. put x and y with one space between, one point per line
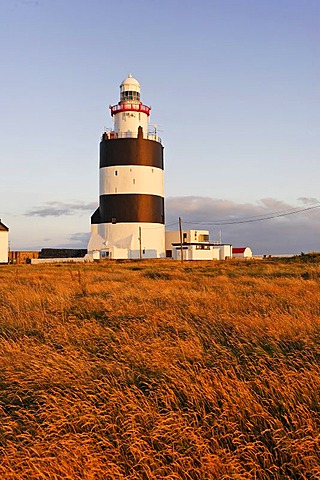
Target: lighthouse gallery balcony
125 107
112 135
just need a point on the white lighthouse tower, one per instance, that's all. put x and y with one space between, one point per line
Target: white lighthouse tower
129 222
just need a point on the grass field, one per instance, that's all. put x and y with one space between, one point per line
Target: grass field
157 370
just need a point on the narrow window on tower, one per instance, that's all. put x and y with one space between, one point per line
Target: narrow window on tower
134 181
116 172
115 190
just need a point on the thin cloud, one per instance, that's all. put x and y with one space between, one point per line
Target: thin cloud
80 239
76 240
57 209
33 3
308 200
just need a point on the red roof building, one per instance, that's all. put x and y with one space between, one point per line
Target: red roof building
241 252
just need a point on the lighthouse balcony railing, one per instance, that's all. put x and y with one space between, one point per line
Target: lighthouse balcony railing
111 135
125 107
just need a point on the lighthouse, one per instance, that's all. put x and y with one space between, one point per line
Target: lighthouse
129 222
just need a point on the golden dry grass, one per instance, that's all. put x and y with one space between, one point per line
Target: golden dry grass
153 370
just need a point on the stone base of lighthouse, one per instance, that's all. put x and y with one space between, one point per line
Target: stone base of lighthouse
123 241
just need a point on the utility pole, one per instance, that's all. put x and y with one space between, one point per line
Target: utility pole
140 243
181 242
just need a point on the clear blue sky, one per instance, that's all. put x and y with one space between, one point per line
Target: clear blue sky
234 85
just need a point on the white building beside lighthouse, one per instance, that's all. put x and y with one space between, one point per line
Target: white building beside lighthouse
4 242
129 222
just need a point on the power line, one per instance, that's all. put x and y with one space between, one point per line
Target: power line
257 218
254 218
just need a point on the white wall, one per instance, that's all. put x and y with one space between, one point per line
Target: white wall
123 239
4 246
225 251
38 261
131 179
215 253
191 252
186 253
201 254
126 122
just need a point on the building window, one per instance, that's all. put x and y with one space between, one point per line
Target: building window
116 172
115 190
184 238
152 170
134 181
113 220
203 238
202 247
130 95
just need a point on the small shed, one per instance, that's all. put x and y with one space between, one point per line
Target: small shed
4 242
241 252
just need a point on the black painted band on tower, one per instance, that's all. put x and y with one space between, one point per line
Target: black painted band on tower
129 208
131 151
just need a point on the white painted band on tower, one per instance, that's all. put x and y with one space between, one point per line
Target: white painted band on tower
131 179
